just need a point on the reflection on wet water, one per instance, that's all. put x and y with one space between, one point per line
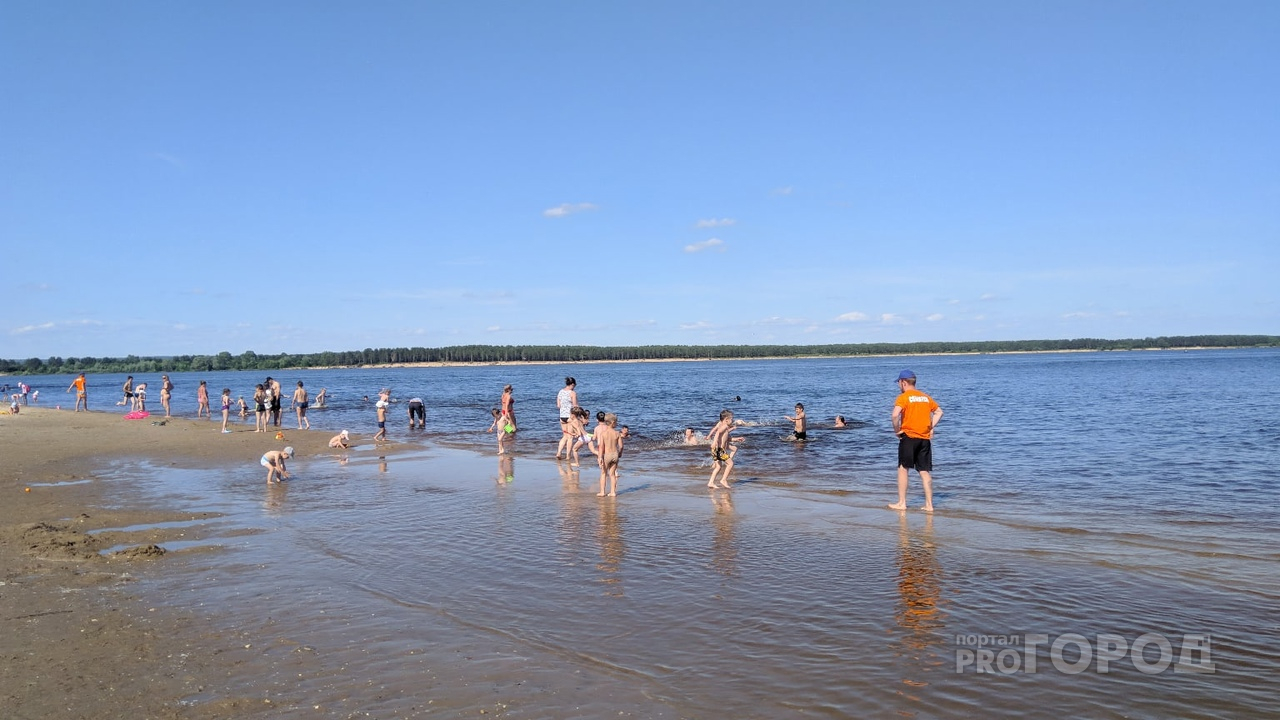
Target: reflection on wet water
792 594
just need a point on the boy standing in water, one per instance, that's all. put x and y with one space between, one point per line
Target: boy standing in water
800 423
915 415
381 405
609 443
722 449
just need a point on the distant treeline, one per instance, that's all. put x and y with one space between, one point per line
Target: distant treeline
580 353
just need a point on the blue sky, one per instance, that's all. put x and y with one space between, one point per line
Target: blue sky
187 178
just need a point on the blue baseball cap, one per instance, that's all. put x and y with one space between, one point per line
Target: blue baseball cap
906 375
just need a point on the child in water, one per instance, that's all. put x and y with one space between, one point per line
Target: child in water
503 427
273 461
798 419
722 449
609 442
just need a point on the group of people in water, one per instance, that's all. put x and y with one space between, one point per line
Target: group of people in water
914 417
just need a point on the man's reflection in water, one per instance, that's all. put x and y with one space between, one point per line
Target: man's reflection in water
919 588
724 546
382 463
612 548
574 513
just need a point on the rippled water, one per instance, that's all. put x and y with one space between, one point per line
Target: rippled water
1119 493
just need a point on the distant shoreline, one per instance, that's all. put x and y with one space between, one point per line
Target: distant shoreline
502 355
505 363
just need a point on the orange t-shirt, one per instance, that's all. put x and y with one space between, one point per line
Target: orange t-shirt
916 410
79 383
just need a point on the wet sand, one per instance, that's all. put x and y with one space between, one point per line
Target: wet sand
417 580
77 641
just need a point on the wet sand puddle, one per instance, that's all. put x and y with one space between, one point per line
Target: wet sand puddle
430 583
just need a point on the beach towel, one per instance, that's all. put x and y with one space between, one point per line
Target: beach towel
137 415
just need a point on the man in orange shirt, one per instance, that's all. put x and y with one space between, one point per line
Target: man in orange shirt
82 395
915 415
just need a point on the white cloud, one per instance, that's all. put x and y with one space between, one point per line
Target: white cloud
987 296
31 328
934 317
494 328
851 317
892 319
52 325
713 223
700 325
1078 315
712 244
567 209
783 190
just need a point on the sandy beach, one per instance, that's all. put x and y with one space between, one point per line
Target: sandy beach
76 642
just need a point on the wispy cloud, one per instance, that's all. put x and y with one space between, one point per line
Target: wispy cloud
567 209
934 317
712 244
700 325
715 223
31 328
987 296
892 319
851 317
52 326
170 159
782 190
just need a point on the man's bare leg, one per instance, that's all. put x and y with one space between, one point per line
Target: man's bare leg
902 490
926 479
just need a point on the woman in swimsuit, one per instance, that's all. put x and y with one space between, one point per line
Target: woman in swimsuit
260 408
509 405
566 400
166 392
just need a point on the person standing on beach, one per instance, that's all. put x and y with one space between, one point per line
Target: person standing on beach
300 406
202 401
166 393
915 415
82 395
508 405
276 396
260 401
226 408
609 442
384 399
566 401
722 449
128 393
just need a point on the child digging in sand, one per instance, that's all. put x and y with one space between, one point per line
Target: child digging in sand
273 461
609 443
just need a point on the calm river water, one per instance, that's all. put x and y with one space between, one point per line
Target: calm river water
1078 494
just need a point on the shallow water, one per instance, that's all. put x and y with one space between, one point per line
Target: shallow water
1122 493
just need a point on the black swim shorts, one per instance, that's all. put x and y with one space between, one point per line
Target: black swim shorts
915 454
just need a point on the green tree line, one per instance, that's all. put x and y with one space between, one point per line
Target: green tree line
250 360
